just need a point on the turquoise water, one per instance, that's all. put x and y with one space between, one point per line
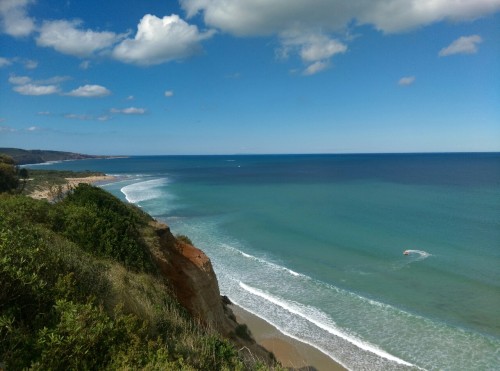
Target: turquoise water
314 245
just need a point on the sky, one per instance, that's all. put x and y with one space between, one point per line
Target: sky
155 77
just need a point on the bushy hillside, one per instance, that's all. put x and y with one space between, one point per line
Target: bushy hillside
79 290
23 156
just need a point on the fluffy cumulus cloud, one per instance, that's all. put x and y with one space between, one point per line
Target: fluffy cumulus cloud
33 89
14 20
129 111
160 40
169 93
406 80
89 91
318 18
67 37
257 17
26 86
463 45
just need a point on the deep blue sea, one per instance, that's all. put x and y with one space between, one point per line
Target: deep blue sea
314 245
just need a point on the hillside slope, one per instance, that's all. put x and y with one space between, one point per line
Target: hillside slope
93 283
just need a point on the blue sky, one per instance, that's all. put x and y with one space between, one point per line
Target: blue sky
250 76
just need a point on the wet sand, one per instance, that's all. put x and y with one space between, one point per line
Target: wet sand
290 352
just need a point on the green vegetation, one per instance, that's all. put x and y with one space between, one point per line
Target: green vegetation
9 174
15 179
79 290
184 238
40 179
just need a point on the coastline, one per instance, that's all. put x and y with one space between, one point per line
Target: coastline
290 352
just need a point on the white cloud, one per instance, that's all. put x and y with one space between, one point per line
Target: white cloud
4 62
160 40
130 97
257 17
66 37
406 80
89 91
129 111
54 80
13 18
463 45
33 89
317 20
26 86
19 80
315 49
169 93
77 116
7 129
315 68
34 128
84 65
104 118
30 64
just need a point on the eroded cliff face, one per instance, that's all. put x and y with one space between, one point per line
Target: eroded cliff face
193 279
194 282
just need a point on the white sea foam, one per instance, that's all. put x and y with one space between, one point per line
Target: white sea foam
422 254
263 261
145 190
296 310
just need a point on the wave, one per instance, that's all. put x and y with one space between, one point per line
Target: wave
143 191
263 261
294 309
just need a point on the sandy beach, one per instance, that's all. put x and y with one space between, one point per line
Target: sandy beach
49 193
290 352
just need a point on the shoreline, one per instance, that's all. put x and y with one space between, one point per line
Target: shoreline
288 351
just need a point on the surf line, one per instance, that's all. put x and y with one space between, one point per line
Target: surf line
263 261
360 344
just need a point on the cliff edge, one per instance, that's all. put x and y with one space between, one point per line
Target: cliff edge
193 280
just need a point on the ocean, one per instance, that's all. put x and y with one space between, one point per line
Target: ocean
314 245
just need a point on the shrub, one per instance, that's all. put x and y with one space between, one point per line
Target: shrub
184 239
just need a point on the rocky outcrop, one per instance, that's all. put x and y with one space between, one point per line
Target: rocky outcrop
195 285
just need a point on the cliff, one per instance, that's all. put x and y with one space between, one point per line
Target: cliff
90 282
195 285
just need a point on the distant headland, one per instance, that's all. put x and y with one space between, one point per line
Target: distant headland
37 156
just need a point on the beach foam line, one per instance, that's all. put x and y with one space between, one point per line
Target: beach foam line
351 339
263 261
144 190
290 335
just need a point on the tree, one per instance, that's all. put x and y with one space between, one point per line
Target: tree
24 175
9 179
